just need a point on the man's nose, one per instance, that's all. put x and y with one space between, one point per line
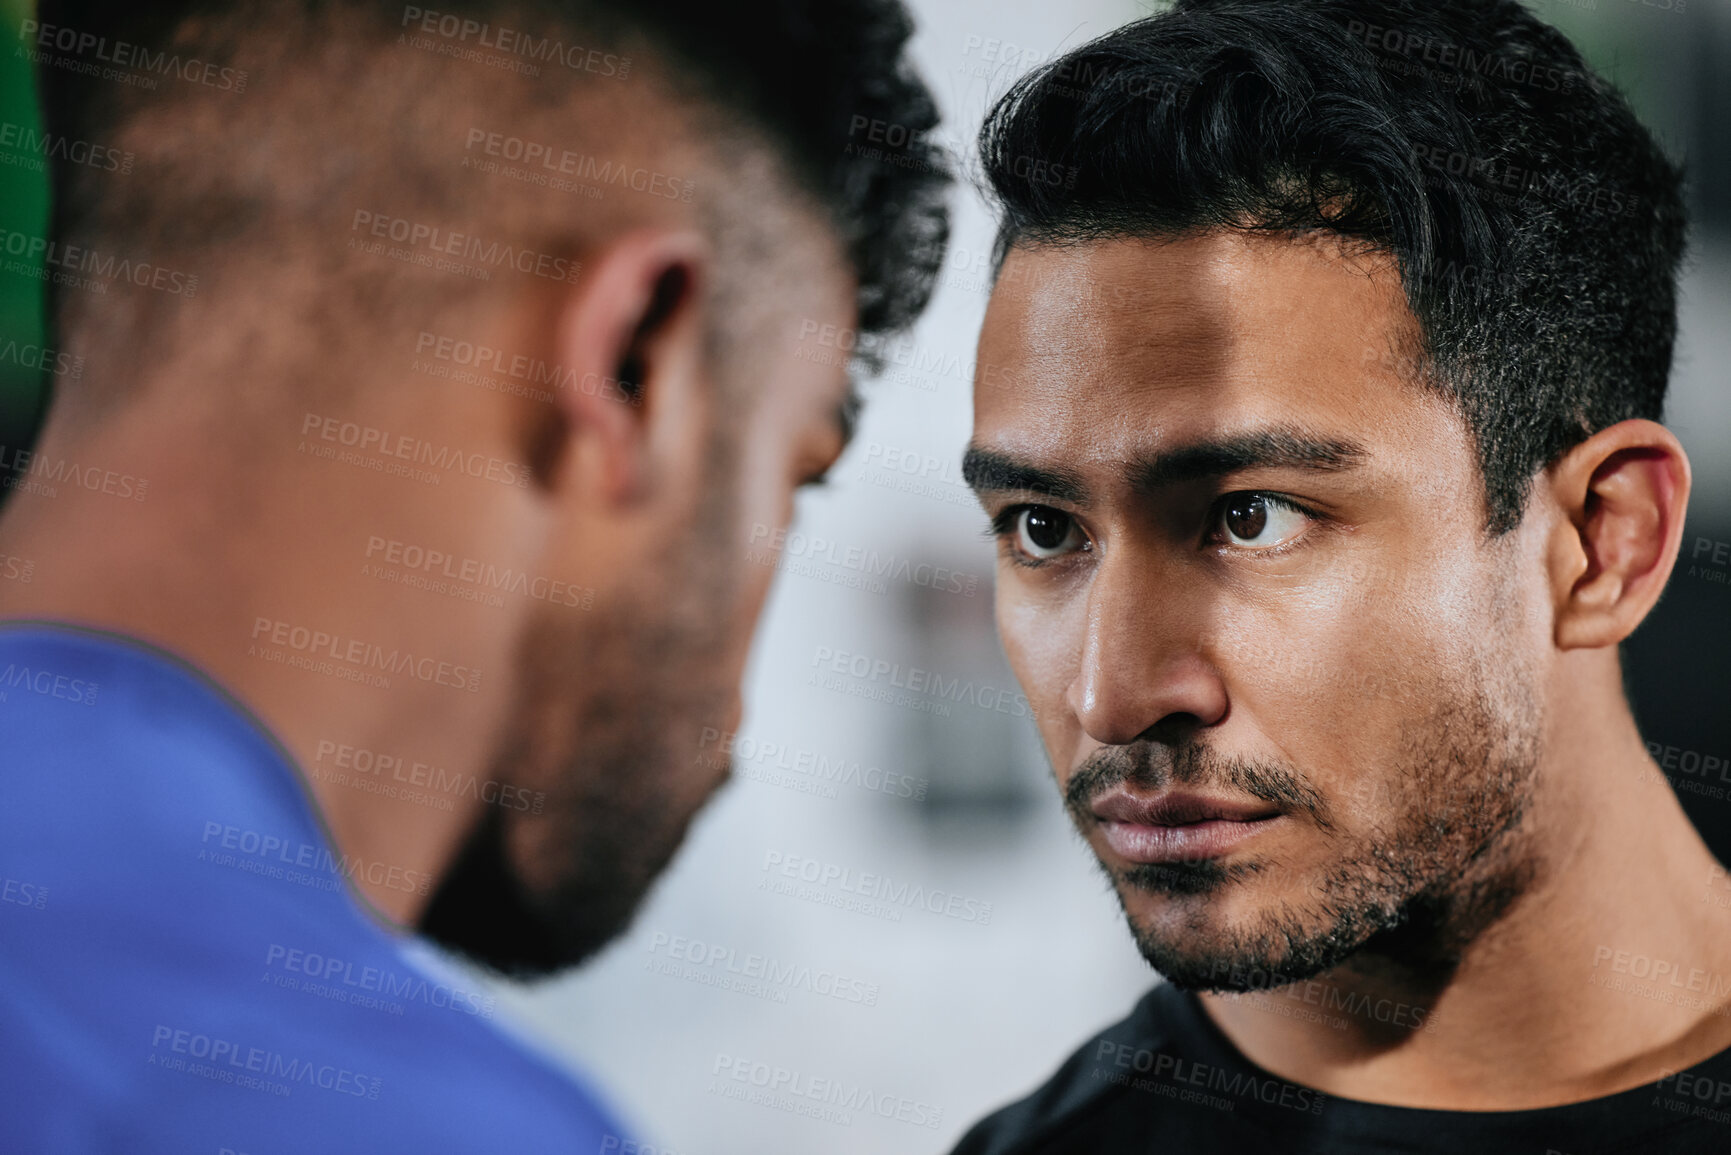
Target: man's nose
1143 667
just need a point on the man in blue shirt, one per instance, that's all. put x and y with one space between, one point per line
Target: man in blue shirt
386 565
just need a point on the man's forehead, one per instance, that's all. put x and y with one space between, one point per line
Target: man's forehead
1225 321
1192 291
1130 350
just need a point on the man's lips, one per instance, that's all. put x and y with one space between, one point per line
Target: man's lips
1178 827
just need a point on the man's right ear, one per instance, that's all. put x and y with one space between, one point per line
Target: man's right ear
629 338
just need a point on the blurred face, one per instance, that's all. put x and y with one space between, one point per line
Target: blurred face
617 703
1288 688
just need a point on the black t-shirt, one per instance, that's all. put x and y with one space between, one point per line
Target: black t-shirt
1165 1080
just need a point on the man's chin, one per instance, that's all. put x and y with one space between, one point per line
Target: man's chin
1198 943
483 910
1207 878
1228 970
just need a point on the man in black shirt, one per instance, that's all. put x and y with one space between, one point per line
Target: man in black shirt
1317 417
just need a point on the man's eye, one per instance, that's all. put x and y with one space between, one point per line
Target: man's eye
1044 532
1258 520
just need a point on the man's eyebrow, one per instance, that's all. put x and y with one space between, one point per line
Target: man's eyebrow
988 471
1279 447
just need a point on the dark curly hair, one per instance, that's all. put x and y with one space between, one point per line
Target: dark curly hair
1537 225
815 75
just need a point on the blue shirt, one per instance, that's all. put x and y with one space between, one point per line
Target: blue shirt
184 966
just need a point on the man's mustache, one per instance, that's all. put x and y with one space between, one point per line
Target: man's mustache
1152 767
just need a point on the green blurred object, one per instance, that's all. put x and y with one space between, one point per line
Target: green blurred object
23 209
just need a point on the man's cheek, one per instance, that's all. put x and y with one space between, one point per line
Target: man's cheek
1042 636
1044 666
756 539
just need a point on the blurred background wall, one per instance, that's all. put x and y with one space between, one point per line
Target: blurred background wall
1006 948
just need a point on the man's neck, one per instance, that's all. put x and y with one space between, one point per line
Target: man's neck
1609 968
196 569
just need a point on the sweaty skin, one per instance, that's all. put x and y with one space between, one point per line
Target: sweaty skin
1445 810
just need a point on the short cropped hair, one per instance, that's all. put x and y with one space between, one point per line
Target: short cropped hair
799 74
1537 225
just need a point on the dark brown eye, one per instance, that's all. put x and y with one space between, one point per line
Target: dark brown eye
1246 515
1044 532
1047 528
1257 520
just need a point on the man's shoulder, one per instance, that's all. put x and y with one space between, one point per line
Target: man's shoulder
1084 1088
191 958
367 1051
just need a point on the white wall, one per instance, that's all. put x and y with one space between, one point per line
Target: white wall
966 1016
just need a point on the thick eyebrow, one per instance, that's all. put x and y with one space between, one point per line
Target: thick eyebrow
988 471
1277 447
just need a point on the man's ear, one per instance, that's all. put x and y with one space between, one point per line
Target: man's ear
1623 492
629 339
